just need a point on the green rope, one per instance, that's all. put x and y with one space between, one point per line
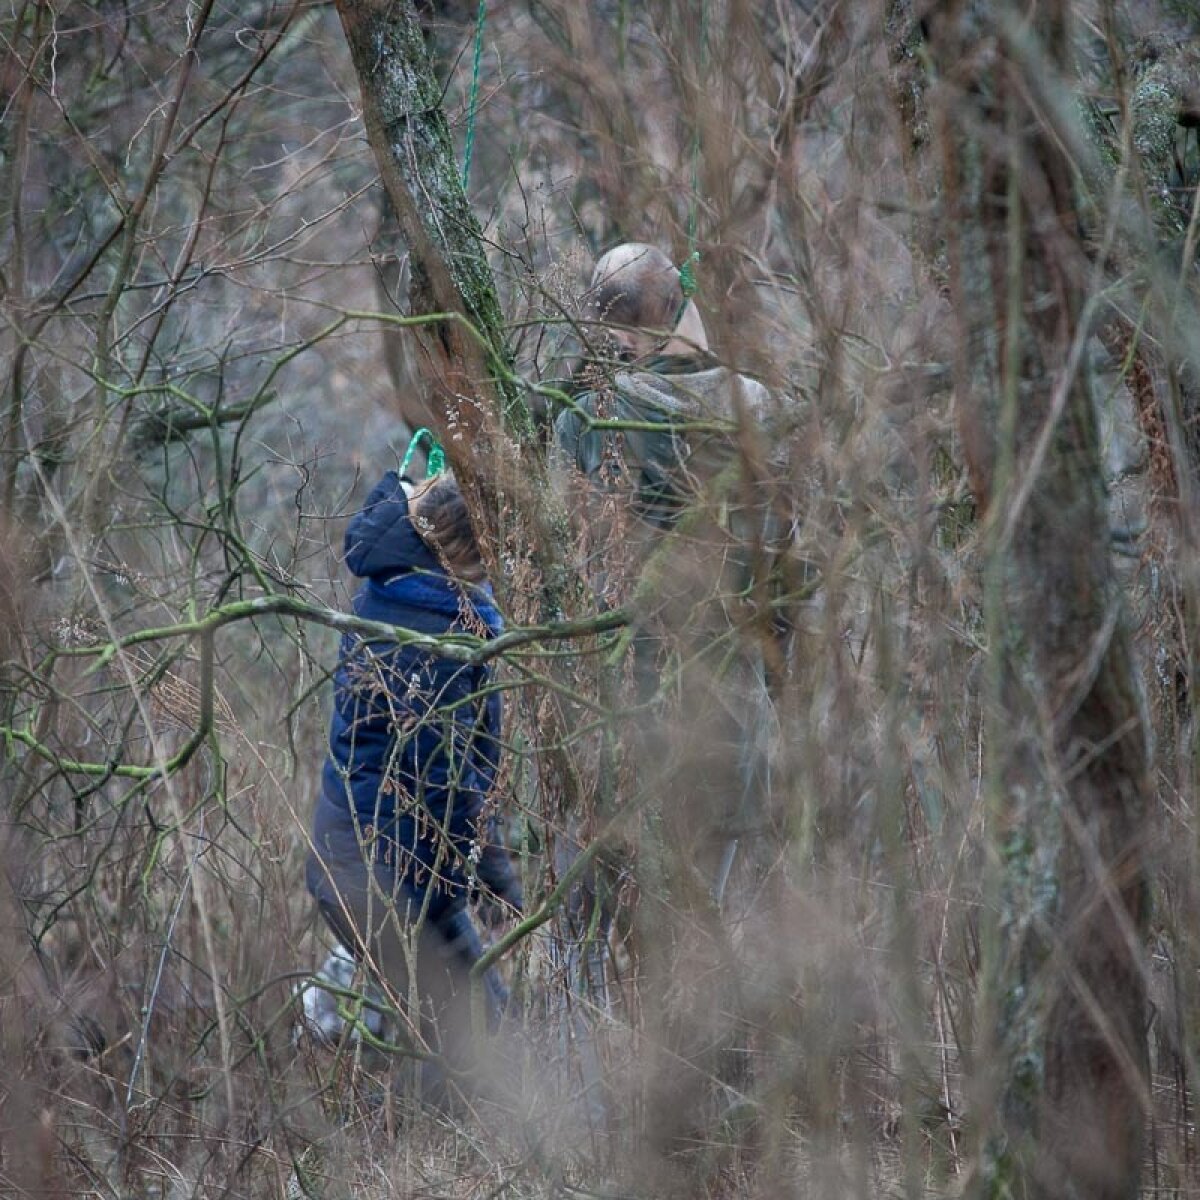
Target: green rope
473 101
436 462
688 282
687 269
687 276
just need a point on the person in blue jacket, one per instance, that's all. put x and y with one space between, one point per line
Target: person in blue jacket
402 832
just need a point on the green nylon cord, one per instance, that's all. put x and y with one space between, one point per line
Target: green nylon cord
688 282
435 464
473 101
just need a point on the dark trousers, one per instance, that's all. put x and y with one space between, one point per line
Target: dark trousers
379 919
702 757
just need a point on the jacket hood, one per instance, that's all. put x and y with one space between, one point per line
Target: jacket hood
381 540
383 546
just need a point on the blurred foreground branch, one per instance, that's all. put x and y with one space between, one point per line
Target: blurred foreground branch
1063 1024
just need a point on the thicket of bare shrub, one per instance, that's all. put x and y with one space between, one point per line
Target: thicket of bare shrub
204 374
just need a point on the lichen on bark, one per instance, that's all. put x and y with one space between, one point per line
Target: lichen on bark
1154 108
1065 742
485 426
407 127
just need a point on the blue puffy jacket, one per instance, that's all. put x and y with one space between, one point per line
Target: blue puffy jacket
414 741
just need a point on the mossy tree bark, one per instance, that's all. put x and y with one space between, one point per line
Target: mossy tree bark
474 403
409 136
1062 1056
473 398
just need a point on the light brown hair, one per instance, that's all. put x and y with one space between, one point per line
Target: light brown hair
440 516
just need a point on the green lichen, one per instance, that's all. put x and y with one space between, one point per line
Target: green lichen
1155 108
395 66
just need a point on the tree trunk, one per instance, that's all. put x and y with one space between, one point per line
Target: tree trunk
1062 1055
475 408
408 134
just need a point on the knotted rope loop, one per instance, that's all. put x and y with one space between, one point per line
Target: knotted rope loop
435 462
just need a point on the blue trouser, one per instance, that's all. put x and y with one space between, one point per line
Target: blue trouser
380 920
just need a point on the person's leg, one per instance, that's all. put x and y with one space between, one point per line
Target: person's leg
701 764
383 927
373 916
464 1013
460 949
